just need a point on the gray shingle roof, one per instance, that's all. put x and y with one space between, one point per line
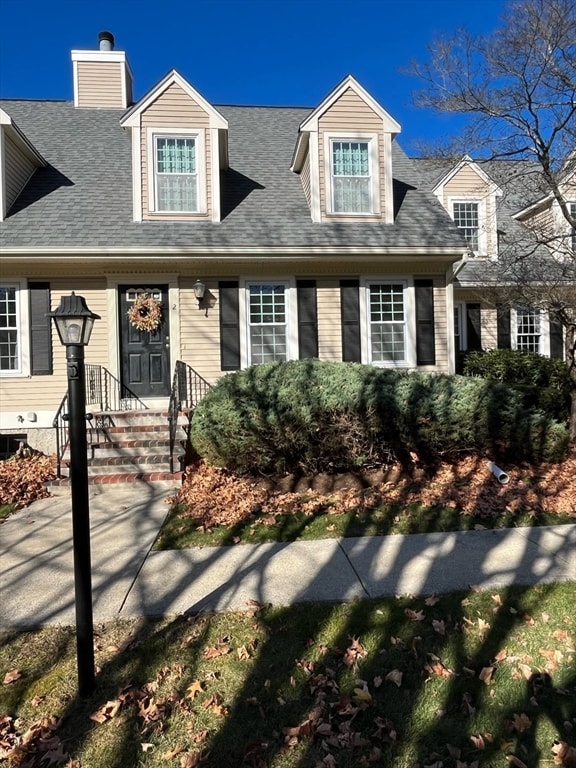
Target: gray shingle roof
83 199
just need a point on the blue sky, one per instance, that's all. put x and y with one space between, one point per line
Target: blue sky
274 52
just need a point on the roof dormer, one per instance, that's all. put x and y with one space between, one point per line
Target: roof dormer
102 78
179 147
344 157
18 161
470 197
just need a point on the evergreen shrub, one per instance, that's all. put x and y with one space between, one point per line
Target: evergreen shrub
544 383
313 416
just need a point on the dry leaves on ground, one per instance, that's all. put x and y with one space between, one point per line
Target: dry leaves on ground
22 479
217 497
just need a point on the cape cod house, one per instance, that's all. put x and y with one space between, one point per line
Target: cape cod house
309 233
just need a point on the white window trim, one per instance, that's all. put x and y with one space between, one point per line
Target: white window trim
410 321
23 327
199 135
372 139
482 220
291 316
544 346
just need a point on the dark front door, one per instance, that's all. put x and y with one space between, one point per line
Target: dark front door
145 354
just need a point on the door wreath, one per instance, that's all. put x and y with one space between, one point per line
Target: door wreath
146 313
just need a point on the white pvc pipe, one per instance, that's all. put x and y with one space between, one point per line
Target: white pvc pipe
498 473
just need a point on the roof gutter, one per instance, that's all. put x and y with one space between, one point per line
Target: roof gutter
143 252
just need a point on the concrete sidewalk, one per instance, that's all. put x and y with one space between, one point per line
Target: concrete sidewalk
37 579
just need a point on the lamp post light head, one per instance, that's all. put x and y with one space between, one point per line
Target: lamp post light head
199 291
73 320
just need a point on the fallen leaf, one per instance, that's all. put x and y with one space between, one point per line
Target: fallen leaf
194 689
439 627
191 760
478 741
486 675
11 677
395 676
521 722
515 761
414 615
564 754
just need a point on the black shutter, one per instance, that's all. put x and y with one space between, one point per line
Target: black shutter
503 327
229 325
307 319
350 320
556 339
40 330
473 327
425 338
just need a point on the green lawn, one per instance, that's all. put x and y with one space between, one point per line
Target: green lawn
181 529
484 679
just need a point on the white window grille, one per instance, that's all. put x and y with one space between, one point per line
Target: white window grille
351 177
387 322
176 174
267 323
528 329
10 342
466 218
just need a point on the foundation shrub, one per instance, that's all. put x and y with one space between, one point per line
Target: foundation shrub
314 416
543 383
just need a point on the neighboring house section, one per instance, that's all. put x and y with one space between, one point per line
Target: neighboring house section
310 230
18 161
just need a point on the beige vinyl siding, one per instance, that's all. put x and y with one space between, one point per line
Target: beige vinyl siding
175 109
200 330
489 327
46 392
305 179
349 113
100 84
329 324
19 169
443 326
467 185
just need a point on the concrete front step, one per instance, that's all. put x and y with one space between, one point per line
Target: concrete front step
106 463
113 419
132 446
163 478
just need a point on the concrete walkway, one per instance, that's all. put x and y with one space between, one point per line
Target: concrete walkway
37 579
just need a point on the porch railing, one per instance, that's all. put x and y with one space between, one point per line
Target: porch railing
188 388
104 391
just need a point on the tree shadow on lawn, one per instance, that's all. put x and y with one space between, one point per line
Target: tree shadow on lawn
336 698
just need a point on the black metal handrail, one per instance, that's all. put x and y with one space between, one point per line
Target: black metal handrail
103 390
188 388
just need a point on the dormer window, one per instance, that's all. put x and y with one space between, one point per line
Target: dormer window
465 217
351 177
351 174
176 174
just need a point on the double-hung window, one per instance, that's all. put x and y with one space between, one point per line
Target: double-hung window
176 174
528 329
10 331
387 320
267 313
465 216
351 176
572 208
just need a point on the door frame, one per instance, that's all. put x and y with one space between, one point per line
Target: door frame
112 294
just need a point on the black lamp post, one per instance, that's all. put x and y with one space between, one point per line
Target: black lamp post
74 323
